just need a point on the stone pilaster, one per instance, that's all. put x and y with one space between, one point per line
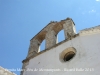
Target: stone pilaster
51 39
69 29
34 48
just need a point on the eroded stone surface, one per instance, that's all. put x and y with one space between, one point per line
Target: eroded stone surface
50 39
49 33
89 31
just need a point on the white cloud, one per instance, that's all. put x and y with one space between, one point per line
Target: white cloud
92 11
89 12
98 0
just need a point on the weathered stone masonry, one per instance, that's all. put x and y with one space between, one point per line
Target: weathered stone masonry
49 33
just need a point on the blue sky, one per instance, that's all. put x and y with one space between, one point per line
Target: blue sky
20 20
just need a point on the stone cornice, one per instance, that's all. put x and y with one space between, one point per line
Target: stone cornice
27 59
90 31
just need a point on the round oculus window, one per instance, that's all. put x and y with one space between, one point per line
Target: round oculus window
68 56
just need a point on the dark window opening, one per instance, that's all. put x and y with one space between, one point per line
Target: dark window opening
68 56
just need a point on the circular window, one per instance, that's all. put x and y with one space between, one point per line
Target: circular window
67 54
